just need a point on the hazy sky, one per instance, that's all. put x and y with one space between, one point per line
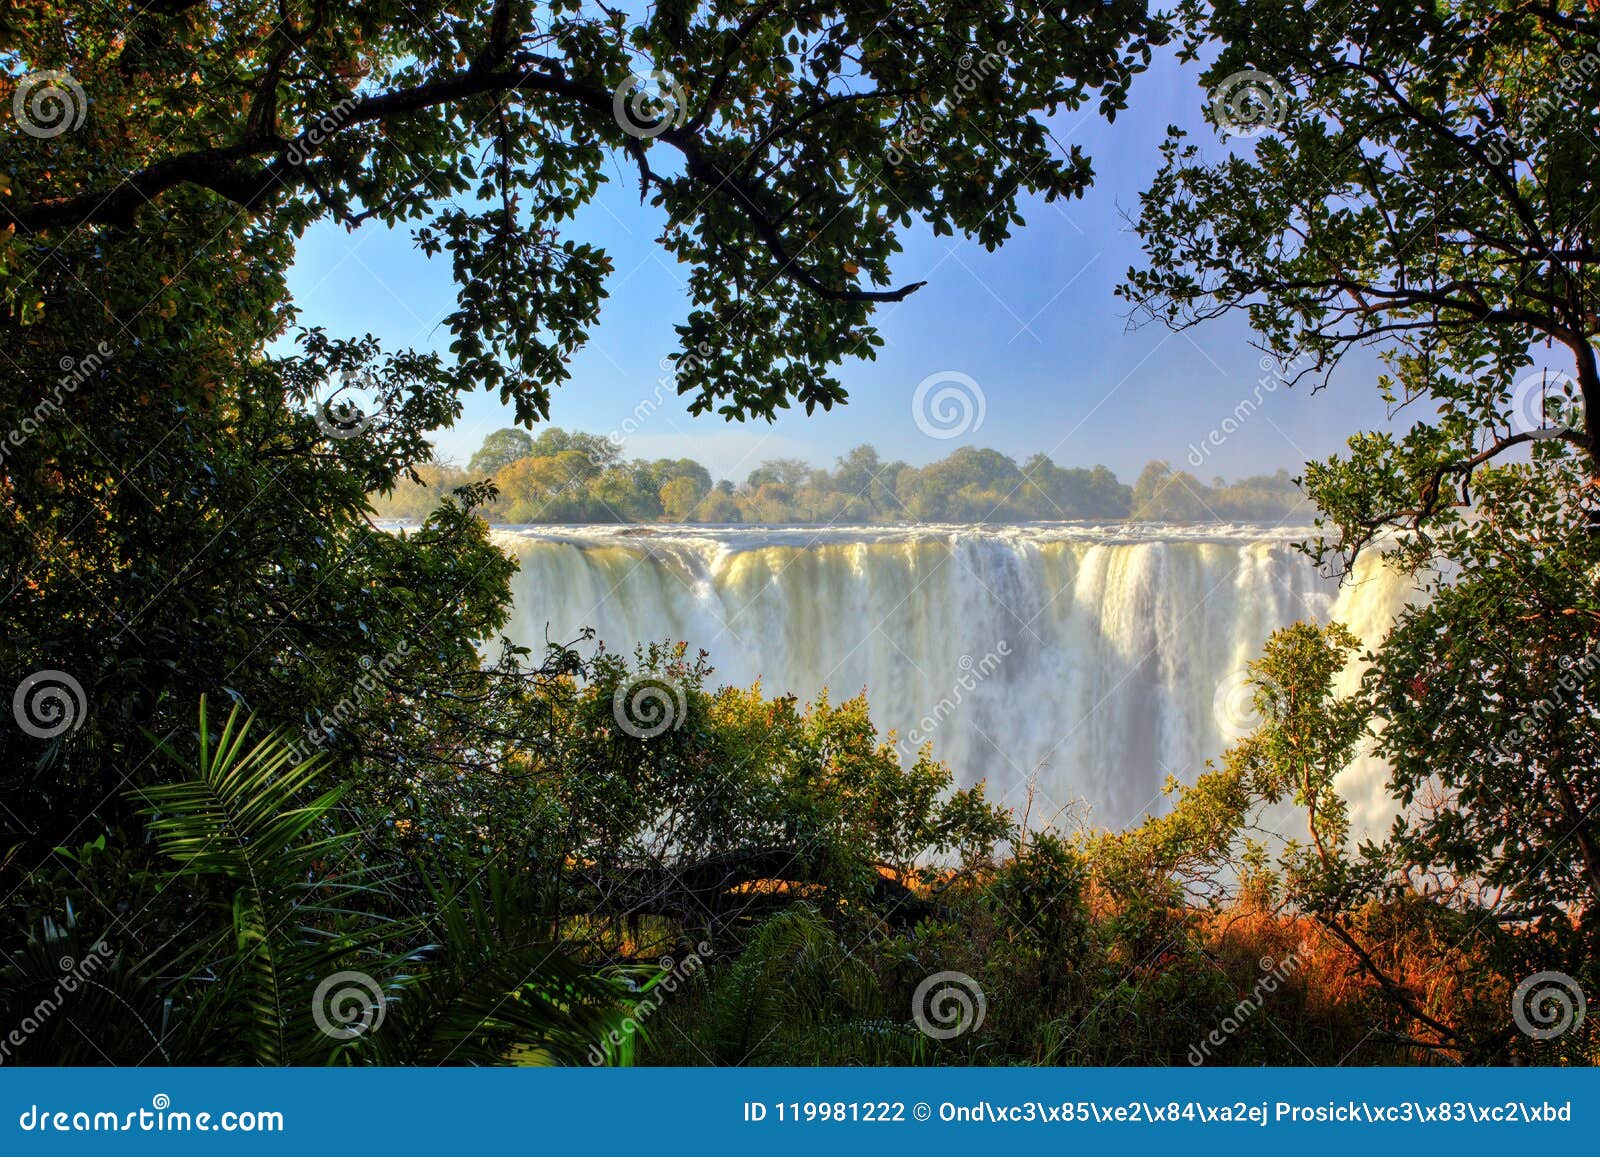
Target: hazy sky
1035 325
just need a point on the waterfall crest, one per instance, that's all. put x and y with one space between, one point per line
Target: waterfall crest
1096 660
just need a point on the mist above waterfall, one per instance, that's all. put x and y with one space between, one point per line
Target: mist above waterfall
1093 660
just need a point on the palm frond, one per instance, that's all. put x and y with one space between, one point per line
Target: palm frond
495 989
793 974
68 998
247 821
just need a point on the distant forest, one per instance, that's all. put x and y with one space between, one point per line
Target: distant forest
568 477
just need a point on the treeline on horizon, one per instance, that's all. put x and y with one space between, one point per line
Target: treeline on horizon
571 477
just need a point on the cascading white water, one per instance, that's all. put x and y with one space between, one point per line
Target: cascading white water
1094 660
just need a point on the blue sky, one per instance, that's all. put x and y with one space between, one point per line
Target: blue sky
1035 325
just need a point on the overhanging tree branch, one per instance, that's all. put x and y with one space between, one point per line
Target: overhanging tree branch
230 171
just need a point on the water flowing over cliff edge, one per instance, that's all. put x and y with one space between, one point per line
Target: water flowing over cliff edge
1098 659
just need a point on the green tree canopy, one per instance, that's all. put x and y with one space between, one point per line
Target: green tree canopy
571 485
763 132
1427 181
500 450
186 511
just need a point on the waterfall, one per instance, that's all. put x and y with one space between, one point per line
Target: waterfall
1091 661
